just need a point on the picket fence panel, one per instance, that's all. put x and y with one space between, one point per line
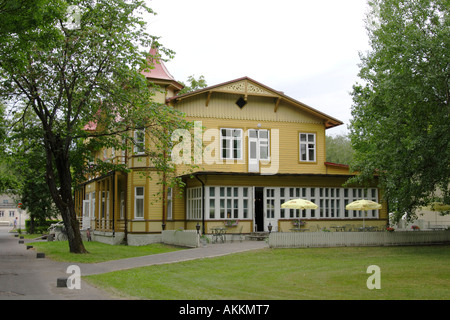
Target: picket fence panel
343 239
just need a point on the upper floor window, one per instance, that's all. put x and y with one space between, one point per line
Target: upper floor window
307 147
231 143
139 141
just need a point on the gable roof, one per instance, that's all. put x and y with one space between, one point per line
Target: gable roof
246 86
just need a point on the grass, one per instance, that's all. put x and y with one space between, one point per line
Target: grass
98 252
421 272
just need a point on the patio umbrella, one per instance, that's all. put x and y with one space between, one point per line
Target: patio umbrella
299 204
363 205
437 207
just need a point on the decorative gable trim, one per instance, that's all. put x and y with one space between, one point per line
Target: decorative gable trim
249 87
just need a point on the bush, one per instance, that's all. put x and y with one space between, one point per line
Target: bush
39 226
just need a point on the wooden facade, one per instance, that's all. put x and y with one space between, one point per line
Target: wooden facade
259 147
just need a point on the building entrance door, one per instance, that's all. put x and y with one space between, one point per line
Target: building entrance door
259 209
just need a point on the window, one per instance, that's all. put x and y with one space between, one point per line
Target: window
270 203
122 205
228 202
307 147
231 144
139 202
169 204
194 203
139 141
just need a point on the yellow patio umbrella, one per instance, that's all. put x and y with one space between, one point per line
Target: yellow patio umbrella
299 204
437 207
363 205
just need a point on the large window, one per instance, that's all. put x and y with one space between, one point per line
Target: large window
307 147
231 144
223 203
194 203
139 202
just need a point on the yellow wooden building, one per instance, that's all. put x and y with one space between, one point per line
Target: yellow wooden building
254 148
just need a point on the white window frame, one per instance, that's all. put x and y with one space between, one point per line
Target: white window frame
231 139
306 145
169 215
139 141
194 203
139 197
221 200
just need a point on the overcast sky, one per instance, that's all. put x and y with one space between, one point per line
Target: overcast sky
306 48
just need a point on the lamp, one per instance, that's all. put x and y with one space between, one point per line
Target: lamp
269 227
197 227
163 226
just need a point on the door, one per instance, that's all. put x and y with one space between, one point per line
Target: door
253 159
259 208
86 222
258 148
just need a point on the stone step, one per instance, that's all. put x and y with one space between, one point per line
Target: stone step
258 236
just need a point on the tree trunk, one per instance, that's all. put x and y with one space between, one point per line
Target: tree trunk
57 158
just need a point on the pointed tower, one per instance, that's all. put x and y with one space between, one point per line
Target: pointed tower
160 76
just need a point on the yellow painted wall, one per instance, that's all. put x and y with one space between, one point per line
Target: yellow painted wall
285 125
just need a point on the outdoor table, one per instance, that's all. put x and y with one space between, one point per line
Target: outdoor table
218 233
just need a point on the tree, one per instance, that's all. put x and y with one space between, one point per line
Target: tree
194 84
88 73
26 161
400 128
339 149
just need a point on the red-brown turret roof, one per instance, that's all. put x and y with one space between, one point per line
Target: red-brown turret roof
158 71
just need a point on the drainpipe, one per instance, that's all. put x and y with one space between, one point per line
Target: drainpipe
203 203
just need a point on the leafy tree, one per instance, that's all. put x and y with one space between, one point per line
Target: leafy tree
401 127
87 74
339 149
194 84
27 164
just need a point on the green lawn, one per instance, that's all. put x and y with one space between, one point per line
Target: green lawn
98 252
421 272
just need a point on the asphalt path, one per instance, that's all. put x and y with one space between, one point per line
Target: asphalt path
24 276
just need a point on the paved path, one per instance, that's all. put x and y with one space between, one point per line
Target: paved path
23 276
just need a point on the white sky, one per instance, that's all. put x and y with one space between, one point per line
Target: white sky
306 48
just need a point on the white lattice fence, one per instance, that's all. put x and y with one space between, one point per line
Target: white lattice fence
340 239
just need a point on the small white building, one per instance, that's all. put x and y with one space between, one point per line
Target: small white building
9 212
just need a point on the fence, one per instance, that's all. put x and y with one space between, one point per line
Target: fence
343 239
185 238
